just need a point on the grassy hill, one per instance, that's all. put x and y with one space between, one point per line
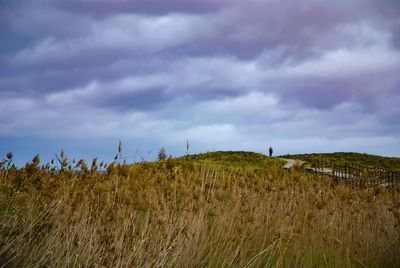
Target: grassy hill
234 159
341 158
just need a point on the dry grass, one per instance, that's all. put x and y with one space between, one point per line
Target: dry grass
185 215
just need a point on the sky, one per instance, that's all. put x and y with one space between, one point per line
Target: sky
300 76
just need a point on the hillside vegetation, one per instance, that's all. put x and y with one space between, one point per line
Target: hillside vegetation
330 159
195 211
234 160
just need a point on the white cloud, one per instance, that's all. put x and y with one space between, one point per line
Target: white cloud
365 34
218 72
254 106
122 32
96 89
187 75
74 95
343 63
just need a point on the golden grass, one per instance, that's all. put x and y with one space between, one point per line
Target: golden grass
193 216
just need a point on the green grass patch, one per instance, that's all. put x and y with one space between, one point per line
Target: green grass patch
234 160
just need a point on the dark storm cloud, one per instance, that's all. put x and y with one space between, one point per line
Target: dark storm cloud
150 99
236 72
147 7
314 93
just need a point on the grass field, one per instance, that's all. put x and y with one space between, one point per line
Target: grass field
232 209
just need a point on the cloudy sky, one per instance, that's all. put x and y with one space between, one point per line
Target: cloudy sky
301 76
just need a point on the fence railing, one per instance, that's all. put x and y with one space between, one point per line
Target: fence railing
367 177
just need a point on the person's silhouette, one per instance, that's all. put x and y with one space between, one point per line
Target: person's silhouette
271 151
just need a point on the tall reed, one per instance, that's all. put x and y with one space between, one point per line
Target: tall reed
188 215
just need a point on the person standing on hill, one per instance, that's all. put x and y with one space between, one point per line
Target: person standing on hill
271 151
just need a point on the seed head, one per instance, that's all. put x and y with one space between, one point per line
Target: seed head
119 147
36 160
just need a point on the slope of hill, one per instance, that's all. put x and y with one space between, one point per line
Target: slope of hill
342 158
234 159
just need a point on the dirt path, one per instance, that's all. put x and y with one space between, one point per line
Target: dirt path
290 163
